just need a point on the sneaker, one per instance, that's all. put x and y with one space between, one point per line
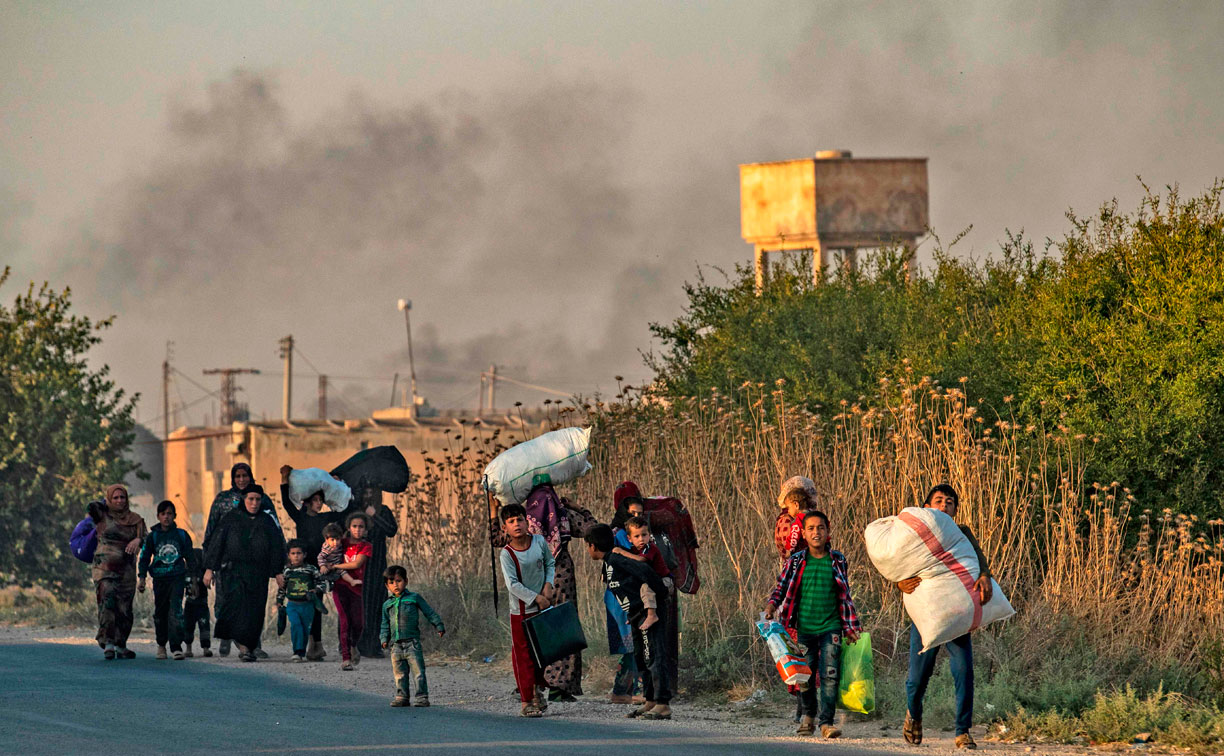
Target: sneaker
207 652
108 653
422 702
295 659
225 648
398 702
260 653
830 732
807 726
178 655
161 652
965 741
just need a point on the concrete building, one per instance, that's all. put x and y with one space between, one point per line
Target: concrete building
198 460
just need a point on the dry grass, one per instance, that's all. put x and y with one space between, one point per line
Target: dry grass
1062 548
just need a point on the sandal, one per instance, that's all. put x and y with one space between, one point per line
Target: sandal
641 712
654 715
912 730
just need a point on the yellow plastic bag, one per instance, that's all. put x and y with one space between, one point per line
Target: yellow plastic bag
856 688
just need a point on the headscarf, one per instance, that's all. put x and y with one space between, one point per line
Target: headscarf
234 486
546 515
789 536
124 517
626 492
798 483
253 488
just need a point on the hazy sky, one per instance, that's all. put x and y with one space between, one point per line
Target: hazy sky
539 178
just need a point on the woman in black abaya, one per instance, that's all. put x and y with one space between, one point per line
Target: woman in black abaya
248 549
374 588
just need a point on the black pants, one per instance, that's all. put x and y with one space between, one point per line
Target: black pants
316 627
196 614
168 611
650 649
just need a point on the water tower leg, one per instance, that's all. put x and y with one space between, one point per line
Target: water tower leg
762 266
819 263
850 259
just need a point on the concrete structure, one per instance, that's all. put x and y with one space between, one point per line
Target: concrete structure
832 202
198 460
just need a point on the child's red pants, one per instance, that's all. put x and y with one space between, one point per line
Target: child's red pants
526 675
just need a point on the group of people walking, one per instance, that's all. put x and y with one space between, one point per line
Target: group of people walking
345 553
813 600
244 548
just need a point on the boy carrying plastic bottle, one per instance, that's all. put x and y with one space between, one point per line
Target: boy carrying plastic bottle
813 596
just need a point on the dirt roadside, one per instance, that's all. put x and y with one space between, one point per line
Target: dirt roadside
476 686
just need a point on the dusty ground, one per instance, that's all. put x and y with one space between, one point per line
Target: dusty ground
476 686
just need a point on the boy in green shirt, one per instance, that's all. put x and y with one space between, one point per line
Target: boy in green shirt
400 633
813 598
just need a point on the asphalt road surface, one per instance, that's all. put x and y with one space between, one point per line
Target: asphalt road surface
58 698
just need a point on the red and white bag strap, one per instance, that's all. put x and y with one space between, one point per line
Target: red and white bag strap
518 571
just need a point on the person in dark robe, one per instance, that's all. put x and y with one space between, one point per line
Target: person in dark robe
309 521
241 480
248 550
558 520
120 533
374 591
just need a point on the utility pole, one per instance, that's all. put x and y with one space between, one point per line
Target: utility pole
492 388
166 391
229 388
286 353
322 397
406 306
480 396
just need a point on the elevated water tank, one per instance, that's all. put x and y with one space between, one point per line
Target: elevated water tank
832 201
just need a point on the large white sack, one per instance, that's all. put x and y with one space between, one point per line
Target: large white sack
560 453
927 543
303 483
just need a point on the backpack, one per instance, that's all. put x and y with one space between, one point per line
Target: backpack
84 540
672 526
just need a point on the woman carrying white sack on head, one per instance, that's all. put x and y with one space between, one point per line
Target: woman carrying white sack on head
960 650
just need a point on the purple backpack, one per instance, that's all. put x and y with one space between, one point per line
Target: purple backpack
84 540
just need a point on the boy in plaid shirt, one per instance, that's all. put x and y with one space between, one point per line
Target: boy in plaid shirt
813 597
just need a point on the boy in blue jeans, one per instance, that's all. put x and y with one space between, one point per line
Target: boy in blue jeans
813 596
301 597
400 633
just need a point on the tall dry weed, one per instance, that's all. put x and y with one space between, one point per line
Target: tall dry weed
1061 547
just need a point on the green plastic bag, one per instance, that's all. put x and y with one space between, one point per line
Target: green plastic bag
856 688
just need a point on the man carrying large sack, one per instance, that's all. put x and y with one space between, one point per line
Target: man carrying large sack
960 650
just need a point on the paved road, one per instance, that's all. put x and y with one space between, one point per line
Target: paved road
66 699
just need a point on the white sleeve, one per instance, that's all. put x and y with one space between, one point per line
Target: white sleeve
513 585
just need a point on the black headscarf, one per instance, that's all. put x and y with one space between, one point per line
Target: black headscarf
253 488
234 486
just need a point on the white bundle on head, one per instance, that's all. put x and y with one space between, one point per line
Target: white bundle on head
308 481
